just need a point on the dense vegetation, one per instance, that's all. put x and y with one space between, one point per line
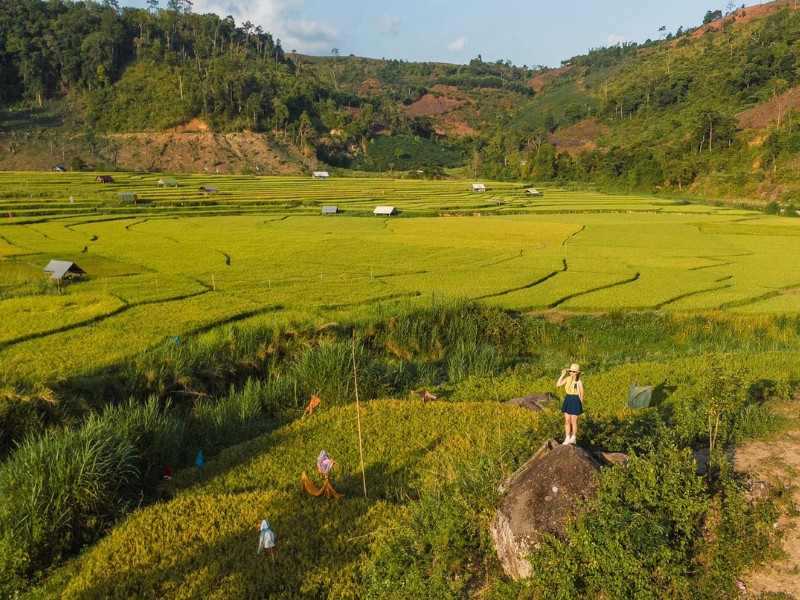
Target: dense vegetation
147 70
155 357
663 112
472 356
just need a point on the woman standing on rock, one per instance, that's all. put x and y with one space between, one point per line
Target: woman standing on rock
573 401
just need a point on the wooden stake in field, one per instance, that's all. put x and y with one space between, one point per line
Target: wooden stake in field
358 417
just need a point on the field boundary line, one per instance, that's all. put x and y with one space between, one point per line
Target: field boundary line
525 287
690 294
572 235
597 289
99 318
745 302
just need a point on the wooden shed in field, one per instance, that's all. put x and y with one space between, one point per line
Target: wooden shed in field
478 187
533 192
330 210
385 211
63 269
167 182
104 179
320 175
208 190
127 197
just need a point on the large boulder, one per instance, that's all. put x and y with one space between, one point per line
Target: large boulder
542 495
534 402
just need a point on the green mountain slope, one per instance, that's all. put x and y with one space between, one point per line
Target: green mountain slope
708 110
670 111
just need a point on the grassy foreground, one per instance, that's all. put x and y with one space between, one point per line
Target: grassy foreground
432 472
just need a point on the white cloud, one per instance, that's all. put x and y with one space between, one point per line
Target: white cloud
284 19
308 36
615 39
458 45
389 24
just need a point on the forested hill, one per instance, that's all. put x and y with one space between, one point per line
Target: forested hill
112 72
711 111
708 110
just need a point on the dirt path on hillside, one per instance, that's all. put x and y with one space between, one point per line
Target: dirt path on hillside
777 461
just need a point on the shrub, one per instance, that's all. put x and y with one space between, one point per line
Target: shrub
60 491
218 422
20 417
650 532
327 370
152 429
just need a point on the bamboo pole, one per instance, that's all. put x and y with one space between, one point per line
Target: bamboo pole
358 417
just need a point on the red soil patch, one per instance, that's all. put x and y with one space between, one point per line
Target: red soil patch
743 15
193 125
454 126
429 105
442 105
759 117
542 79
581 136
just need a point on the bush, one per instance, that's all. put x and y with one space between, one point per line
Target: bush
60 491
21 416
649 535
155 433
403 153
220 422
327 370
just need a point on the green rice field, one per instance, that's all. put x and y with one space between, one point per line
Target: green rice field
179 261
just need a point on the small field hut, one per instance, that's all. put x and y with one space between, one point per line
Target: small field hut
533 192
330 210
63 269
127 197
320 174
104 179
478 187
385 211
208 190
167 182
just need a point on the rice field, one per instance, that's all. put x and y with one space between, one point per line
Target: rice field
180 261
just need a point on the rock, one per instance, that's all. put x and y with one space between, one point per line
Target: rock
534 402
543 494
609 459
757 490
543 450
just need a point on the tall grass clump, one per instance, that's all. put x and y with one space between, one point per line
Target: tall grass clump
432 333
58 492
153 429
24 414
219 422
473 360
327 370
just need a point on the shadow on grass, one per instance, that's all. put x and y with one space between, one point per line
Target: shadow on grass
205 544
30 119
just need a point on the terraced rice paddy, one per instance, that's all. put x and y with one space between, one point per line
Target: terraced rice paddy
179 261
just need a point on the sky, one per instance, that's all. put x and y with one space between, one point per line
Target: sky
526 32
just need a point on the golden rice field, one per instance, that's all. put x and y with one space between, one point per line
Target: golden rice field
178 261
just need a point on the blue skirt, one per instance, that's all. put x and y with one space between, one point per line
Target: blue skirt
572 405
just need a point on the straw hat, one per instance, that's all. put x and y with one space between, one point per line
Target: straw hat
574 367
